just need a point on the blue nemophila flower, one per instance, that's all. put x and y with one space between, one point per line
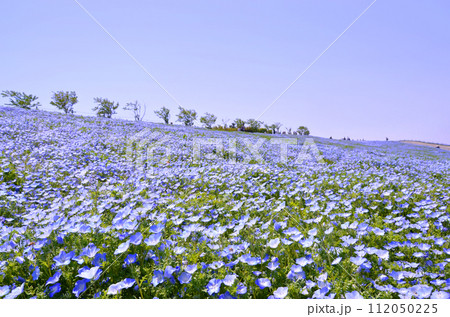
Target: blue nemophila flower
169 271
191 268
358 260
312 232
123 247
53 279
184 278
263 283
99 259
91 274
136 238
213 286
130 259
179 250
241 289
15 292
54 289
36 273
304 261
229 279
280 293
90 251
248 259
437 295
378 231
80 287
353 295
63 258
274 243
113 289
273 265
306 243
157 228
153 239
420 291
217 265
336 261
158 277
4 290
382 254
226 295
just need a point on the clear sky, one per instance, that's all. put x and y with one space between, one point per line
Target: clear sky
387 76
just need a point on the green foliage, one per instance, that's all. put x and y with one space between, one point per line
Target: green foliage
239 124
105 108
208 120
64 100
21 99
302 130
186 116
164 114
253 125
138 110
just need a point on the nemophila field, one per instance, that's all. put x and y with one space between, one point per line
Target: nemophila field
77 220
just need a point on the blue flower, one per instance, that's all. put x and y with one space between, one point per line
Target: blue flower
4 290
304 261
15 292
90 251
54 289
36 273
157 228
158 277
263 283
213 286
229 279
153 239
122 247
420 291
437 295
184 278
191 268
99 259
353 295
113 289
336 261
273 265
179 250
358 260
63 258
226 295
241 289
169 271
91 274
130 259
136 239
53 279
80 287
274 243
280 293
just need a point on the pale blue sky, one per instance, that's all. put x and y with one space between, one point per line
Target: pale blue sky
389 75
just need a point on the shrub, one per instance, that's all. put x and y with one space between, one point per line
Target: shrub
64 100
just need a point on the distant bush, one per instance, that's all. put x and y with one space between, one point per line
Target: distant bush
105 108
163 114
186 116
64 100
302 130
21 99
138 110
208 120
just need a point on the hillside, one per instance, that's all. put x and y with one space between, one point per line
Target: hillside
93 207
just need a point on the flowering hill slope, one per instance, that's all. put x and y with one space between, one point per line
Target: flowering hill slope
100 208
